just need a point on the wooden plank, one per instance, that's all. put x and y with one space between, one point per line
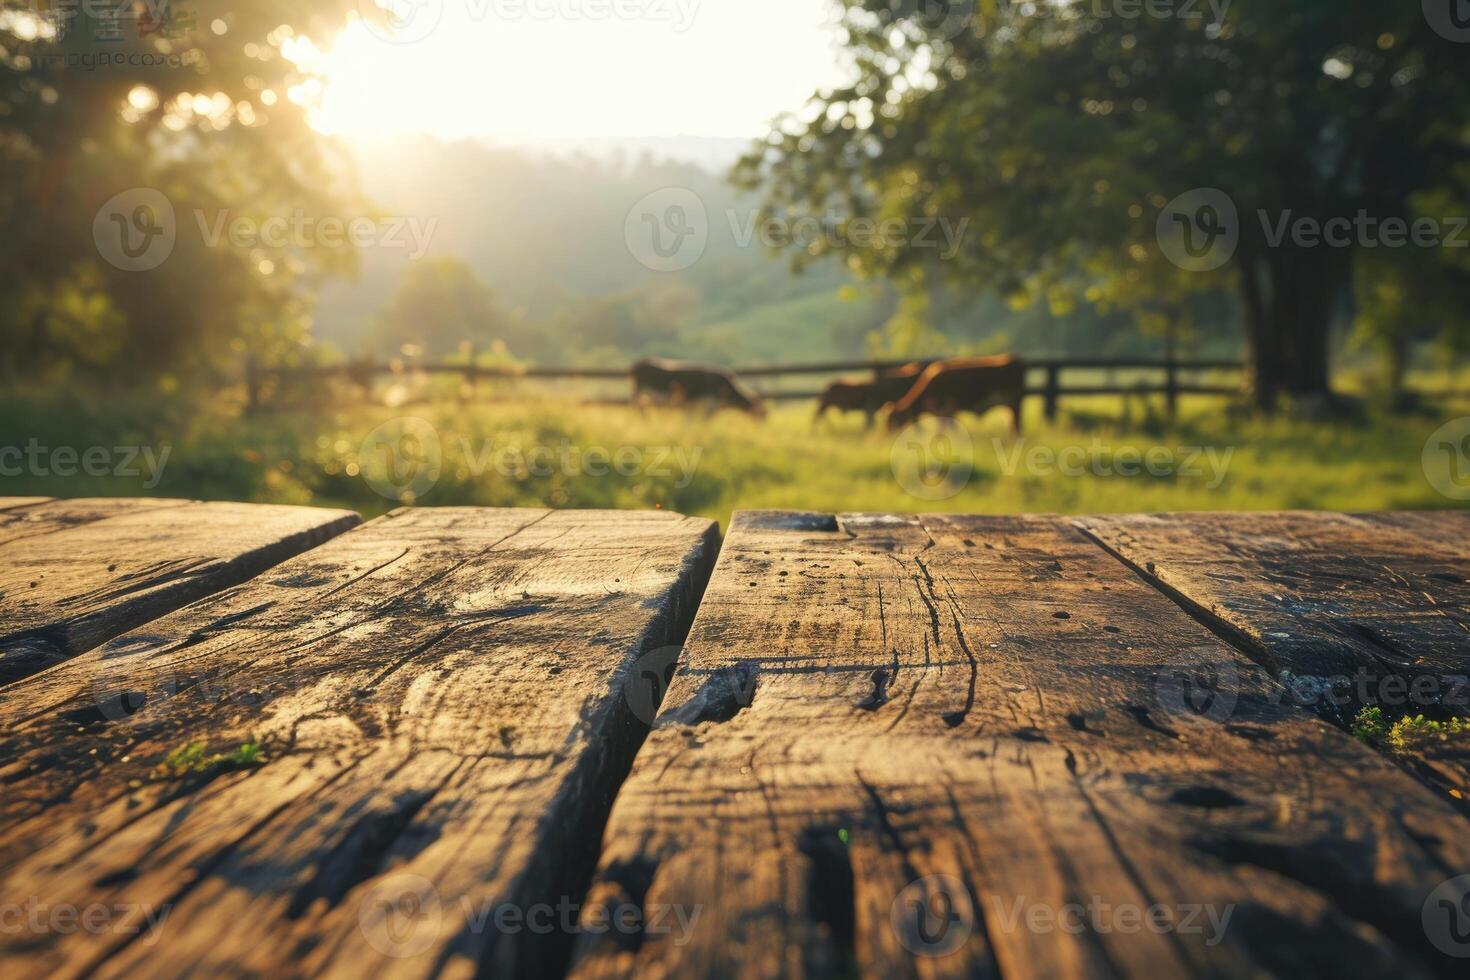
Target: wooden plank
1442 528
76 573
33 516
994 715
438 695
1348 612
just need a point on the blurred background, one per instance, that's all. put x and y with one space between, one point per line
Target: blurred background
376 252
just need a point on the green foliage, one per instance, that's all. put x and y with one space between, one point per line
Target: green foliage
908 332
1402 301
191 759
1063 132
1408 734
1369 726
216 133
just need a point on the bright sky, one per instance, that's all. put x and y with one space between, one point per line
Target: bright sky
527 70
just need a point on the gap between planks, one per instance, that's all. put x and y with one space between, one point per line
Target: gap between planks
705 709
872 703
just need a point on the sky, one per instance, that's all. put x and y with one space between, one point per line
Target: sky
557 70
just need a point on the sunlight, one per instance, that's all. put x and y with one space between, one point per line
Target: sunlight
696 67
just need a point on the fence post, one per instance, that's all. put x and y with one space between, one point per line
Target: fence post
1053 392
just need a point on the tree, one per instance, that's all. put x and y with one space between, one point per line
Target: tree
1066 131
1401 302
440 305
204 110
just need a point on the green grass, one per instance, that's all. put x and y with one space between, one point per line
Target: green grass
318 456
191 759
1407 734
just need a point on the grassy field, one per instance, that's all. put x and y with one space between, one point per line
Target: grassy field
1102 455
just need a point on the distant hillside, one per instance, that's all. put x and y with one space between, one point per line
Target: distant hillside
546 231
813 327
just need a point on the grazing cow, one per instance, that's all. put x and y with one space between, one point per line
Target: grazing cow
680 384
969 384
867 397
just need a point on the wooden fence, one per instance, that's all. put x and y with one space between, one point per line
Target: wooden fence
1170 382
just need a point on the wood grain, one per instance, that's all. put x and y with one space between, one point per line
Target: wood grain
1442 529
29 516
1346 611
1349 611
75 573
439 695
995 714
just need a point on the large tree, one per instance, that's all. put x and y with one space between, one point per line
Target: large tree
1065 129
202 103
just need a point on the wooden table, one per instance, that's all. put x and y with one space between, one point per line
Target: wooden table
240 740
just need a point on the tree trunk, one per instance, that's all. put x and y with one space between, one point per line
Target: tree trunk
1289 295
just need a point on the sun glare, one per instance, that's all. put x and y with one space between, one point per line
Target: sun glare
696 67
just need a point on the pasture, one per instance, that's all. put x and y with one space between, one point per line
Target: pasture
535 446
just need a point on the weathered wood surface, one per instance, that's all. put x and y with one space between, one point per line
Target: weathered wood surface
1444 764
75 573
1442 528
29 516
439 698
867 703
1346 611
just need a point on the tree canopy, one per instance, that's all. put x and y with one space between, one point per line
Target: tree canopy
1067 130
195 117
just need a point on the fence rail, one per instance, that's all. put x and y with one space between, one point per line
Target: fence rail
1051 390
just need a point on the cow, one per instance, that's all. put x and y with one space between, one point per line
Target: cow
969 384
679 384
867 397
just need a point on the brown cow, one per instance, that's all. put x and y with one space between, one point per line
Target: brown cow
868 397
968 384
679 384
